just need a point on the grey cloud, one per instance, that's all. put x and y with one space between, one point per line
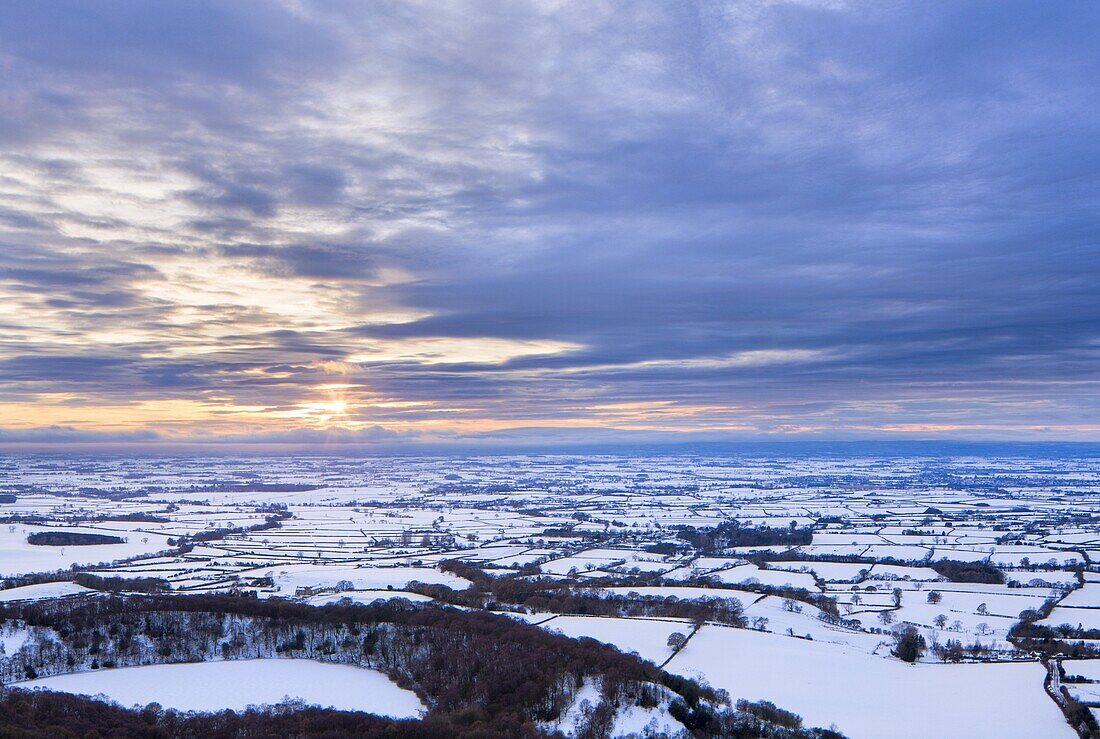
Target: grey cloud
905 193
367 435
317 261
66 435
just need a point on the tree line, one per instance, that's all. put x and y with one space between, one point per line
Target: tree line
477 672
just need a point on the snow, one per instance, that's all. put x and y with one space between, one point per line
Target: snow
749 573
572 718
1086 668
683 593
213 686
628 721
43 591
961 601
871 697
900 572
367 597
291 577
1085 618
651 722
18 557
12 638
380 523
960 555
1013 556
804 621
1047 577
1086 597
647 637
829 571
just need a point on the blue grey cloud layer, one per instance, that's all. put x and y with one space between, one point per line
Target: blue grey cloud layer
819 218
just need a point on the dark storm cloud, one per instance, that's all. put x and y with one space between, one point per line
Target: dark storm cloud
784 208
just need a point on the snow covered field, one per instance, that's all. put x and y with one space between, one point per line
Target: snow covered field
17 556
820 613
43 592
214 686
289 579
647 637
868 697
367 596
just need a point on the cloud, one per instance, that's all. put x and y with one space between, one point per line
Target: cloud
60 436
316 261
219 203
368 435
68 435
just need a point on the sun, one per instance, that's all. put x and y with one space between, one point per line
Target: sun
322 412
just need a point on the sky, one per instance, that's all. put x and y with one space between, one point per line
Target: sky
383 223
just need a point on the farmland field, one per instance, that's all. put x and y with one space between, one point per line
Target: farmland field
213 686
837 589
